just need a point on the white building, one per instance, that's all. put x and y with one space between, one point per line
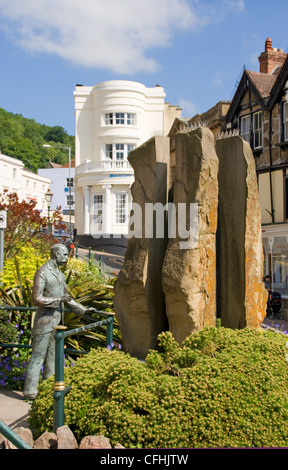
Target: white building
111 119
28 186
63 189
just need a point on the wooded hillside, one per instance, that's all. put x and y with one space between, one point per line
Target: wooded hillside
23 138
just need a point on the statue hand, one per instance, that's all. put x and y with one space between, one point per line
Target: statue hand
65 298
90 310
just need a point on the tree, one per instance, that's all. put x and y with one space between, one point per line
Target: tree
25 225
56 134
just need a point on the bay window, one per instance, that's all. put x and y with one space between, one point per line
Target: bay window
118 151
120 119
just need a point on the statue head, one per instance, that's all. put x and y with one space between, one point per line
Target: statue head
59 253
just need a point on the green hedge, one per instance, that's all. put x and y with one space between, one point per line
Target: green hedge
221 388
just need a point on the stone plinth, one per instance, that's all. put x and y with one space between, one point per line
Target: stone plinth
139 299
189 273
241 296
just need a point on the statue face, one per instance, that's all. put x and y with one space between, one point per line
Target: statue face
62 256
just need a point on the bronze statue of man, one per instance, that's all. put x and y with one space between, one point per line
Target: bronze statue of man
50 294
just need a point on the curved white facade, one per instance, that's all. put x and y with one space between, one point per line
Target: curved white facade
111 119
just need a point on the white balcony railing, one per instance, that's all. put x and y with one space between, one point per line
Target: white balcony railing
104 166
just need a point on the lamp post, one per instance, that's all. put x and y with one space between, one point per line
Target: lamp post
69 187
48 197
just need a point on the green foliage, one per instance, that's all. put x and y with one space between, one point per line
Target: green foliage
23 266
8 333
23 138
13 362
221 388
12 370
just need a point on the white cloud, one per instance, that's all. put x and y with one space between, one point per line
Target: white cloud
113 34
189 109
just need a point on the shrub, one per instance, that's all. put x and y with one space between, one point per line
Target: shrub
221 388
13 361
22 266
13 370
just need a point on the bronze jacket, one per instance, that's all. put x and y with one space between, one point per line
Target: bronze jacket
49 286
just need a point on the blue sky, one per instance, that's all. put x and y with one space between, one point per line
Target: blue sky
195 49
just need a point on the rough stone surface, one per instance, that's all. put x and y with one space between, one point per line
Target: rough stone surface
66 438
95 442
24 433
139 299
241 295
47 440
189 275
62 439
119 446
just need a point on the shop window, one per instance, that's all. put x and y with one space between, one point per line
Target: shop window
276 262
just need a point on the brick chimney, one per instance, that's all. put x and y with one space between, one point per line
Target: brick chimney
270 58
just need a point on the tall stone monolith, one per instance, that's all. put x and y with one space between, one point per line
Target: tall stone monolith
189 272
241 295
139 299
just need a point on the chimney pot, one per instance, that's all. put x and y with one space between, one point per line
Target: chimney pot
268 44
271 57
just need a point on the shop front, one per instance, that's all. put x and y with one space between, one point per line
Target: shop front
275 247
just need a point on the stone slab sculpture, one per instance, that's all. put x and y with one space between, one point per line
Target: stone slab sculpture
189 274
139 299
241 294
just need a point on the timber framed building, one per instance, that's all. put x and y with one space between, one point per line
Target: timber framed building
259 110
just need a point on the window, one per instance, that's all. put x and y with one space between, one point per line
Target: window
98 209
286 198
130 147
120 119
14 172
130 119
285 120
109 119
118 151
69 182
69 200
109 151
257 130
120 208
245 128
